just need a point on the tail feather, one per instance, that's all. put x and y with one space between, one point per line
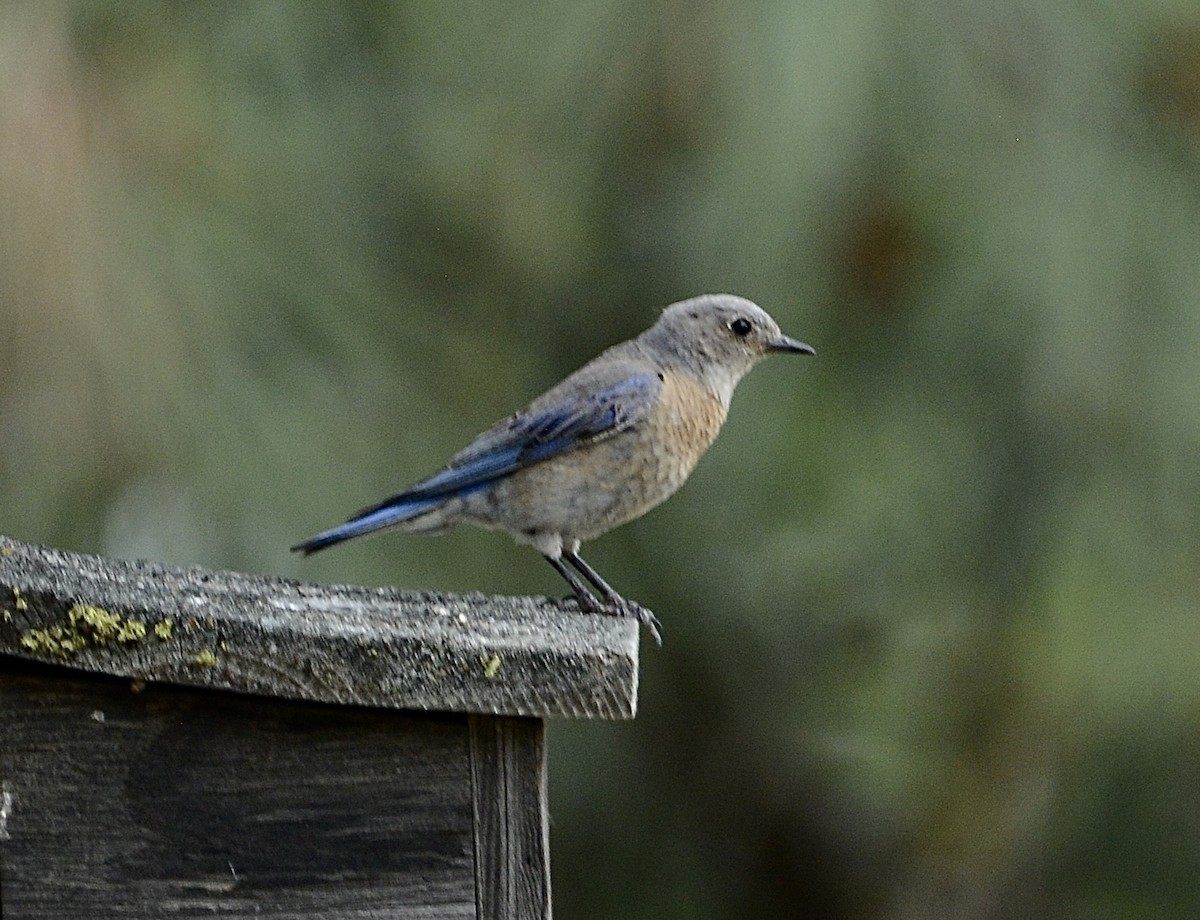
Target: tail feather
369 521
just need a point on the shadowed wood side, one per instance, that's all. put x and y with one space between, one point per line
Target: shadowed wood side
512 844
188 803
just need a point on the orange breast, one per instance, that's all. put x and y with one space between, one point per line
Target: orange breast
683 426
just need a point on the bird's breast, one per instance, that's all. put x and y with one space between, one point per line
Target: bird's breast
681 427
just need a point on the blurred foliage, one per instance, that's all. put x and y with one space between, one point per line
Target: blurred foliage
933 646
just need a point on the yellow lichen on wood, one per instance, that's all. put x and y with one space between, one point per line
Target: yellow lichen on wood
86 626
206 659
97 622
131 631
55 641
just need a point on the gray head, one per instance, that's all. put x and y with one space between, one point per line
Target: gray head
718 338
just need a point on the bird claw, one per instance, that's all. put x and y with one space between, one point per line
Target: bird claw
624 608
646 618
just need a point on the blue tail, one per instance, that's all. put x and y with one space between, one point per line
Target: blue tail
369 521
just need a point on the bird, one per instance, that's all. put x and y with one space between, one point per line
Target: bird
611 441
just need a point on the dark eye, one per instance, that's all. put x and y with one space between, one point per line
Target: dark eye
740 326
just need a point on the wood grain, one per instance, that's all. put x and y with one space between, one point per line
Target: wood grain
327 643
512 843
186 803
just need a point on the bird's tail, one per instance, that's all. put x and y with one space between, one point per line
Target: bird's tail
393 511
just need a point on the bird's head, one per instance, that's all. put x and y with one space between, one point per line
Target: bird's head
719 337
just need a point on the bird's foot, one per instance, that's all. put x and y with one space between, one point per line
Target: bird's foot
620 607
645 617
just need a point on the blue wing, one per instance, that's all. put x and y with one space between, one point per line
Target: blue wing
539 434
561 421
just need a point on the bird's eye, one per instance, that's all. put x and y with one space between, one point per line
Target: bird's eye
740 326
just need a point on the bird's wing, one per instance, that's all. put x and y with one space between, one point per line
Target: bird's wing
568 417
592 404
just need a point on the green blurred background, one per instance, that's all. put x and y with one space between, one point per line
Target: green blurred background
932 638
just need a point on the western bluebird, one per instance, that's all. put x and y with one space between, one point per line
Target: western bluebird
606 445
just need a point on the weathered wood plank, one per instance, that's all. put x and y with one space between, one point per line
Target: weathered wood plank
512 844
327 643
183 803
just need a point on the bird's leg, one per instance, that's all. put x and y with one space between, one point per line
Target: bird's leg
587 600
624 607
609 592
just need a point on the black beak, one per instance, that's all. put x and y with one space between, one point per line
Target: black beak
790 346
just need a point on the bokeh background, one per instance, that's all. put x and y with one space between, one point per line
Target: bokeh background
931 602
